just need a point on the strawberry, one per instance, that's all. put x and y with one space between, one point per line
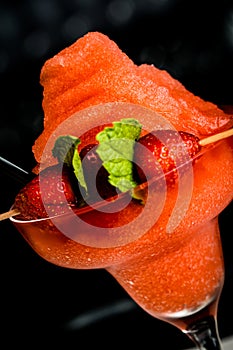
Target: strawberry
169 149
55 182
96 175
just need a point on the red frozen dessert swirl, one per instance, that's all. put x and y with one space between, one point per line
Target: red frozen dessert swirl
168 260
94 70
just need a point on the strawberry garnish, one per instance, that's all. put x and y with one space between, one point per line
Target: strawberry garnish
51 191
168 150
79 179
56 189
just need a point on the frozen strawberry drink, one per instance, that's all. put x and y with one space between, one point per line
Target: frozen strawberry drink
131 177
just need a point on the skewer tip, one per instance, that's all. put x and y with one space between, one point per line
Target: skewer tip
217 137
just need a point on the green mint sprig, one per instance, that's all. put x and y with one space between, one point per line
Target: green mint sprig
66 151
116 150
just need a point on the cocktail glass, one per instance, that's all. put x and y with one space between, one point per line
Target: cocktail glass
166 253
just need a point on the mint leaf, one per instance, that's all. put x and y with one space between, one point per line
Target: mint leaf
66 151
116 150
78 169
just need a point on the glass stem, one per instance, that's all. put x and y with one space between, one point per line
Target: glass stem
204 333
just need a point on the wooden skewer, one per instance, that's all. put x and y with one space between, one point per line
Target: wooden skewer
217 137
9 214
204 142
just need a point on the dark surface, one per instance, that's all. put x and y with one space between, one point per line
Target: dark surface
193 40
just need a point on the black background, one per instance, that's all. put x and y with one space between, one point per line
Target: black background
193 40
